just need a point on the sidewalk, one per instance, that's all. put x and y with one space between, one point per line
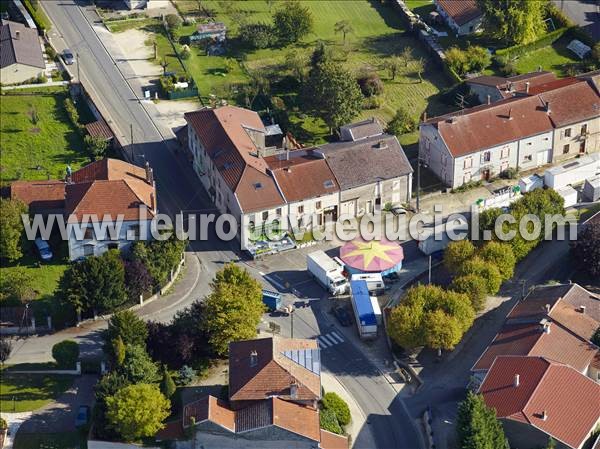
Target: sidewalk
14 421
358 429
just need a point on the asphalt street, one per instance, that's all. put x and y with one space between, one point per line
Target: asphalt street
585 13
179 189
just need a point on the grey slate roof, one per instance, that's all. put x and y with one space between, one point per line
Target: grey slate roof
24 49
366 161
367 128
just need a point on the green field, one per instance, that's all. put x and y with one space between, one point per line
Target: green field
378 34
37 148
26 392
556 57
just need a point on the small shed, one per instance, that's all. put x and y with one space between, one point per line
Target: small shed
530 183
569 194
591 189
579 48
100 129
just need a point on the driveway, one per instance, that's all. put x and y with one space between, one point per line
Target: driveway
59 416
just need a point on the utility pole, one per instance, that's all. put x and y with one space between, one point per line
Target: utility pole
131 140
418 181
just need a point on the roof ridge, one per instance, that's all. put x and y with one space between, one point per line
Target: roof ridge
539 383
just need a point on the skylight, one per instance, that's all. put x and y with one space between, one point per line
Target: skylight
258 185
308 358
328 184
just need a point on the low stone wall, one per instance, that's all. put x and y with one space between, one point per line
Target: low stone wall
97 444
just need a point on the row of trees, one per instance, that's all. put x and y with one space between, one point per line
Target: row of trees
11 224
105 283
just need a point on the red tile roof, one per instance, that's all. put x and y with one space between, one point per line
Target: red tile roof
40 196
109 187
333 441
225 135
516 83
100 129
461 11
274 372
302 176
211 409
572 103
550 396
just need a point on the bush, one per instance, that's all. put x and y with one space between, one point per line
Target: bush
73 114
257 35
66 354
371 85
329 421
473 59
50 51
185 52
41 79
509 173
331 401
371 103
402 122
173 22
3 424
292 22
186 375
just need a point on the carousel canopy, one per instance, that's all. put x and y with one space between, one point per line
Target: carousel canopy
373 256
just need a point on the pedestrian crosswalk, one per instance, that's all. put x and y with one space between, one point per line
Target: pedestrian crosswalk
330 339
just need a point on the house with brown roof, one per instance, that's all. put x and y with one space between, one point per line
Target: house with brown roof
21 55
537 398
110 190
371 172
462 16
543 124
556 322
274 386
491 88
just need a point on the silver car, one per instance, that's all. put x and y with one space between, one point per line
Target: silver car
68 56
44 249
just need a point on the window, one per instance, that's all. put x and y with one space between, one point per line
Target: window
568 132
468 162
528 158
566 149
265 215
278 211
467 177
88 250
505 153
320 219
584 129
301 209
318 205
88 233
487 156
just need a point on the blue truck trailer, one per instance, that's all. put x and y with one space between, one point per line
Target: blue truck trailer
272 300
366 321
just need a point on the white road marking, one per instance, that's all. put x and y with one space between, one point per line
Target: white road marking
322 343
329 340
336 336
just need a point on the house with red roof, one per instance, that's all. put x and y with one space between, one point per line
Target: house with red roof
274 386
109 191
539 123
536 398
462 16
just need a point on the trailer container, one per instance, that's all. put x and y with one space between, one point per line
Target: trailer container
366 321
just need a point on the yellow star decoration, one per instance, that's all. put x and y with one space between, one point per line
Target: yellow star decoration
371 250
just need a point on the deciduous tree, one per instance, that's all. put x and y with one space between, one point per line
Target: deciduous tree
485 270
5 349
233 309
126 325
137 411
442 331
477 425
501 255
137 279
402 122
457 253
344 27
96 147
514 21
11 228
474 286
138 367
586 249
292 22
18 284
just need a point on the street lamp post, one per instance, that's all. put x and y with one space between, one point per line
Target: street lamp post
78 73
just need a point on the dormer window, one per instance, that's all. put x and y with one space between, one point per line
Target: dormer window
258 186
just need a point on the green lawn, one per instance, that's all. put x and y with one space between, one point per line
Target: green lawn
42 148
555 57
65 440
30 391
378 34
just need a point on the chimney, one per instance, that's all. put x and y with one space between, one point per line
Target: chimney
546 328
527 87
582 309
544 415
489 99
510 86
425 116
510 117
548 110
17 35
253 358
516 381
293 389
149 174
547 308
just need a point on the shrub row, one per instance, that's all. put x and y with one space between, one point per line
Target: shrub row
37 14
544 41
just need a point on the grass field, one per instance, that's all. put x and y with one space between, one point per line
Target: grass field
42 148
30 391
556 57
378 34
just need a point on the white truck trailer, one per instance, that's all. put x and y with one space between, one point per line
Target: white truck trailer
328 272
436 239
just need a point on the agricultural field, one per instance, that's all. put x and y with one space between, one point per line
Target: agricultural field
378 34
36 137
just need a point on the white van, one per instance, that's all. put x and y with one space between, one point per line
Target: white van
374 282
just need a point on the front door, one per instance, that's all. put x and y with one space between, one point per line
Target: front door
582 147
485 174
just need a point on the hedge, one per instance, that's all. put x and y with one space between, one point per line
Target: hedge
544 41
331 401
38 15
329 421
66 353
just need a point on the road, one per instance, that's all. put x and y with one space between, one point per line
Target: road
586 13
179 189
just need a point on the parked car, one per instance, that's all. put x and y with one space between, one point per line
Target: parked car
398 210
83 416
43 248
343 316
68 56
